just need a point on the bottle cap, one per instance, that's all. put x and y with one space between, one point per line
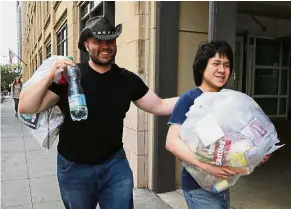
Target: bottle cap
70 58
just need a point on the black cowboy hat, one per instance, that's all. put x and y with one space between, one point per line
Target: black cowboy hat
99 28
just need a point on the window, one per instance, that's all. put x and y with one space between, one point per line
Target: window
95 7
62 44
40 56
48 50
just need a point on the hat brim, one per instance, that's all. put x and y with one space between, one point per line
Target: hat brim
87 33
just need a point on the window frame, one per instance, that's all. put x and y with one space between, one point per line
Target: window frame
48 46
40 56
62 43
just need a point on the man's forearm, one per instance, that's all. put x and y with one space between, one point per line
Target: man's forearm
151 103
167 106
31 97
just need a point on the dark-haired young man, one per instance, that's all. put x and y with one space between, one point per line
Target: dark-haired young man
211 69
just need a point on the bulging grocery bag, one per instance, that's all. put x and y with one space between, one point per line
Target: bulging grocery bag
44 126
227 128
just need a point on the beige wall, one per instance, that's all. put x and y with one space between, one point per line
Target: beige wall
136 53
193 29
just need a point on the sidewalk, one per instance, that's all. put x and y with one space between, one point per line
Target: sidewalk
28 174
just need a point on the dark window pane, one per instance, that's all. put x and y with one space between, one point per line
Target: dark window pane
267 52
251 41
268 105
83 22
284 79
286 54
48 50
91 4
40 58
84 10
98 11
62 48
266 82
283 103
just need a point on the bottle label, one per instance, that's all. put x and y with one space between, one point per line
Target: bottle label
76 100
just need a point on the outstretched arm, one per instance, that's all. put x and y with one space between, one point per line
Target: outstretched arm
153 104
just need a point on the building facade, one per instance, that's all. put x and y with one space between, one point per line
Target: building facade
158 43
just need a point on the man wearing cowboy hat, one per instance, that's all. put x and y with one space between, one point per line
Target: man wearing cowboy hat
92 165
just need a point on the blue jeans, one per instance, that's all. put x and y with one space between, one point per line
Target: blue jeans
202 199
83 186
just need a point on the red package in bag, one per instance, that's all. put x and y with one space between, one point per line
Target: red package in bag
63 79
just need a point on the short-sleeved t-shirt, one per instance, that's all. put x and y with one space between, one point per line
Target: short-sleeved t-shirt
108 97
178 117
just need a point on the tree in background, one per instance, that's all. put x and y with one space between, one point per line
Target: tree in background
8 74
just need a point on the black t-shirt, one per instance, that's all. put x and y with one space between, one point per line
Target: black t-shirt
108 98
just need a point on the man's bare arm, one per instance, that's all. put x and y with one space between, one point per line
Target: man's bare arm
153 104
37 98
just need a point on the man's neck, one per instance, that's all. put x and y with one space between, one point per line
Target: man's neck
99 68
207 88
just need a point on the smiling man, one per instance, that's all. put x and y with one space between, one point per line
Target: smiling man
92 165
211 69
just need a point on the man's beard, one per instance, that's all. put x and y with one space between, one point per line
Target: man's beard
99 62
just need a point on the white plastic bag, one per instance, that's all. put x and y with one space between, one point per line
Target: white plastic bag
227 128
44 126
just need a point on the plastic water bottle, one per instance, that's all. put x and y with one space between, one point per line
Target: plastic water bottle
76 97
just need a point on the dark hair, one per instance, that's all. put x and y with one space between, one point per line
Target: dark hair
206 51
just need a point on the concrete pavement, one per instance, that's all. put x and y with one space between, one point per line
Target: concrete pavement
28 174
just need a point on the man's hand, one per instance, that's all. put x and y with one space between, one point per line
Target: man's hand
218 172
60 64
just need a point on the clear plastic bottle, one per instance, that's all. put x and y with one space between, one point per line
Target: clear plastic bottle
76 97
